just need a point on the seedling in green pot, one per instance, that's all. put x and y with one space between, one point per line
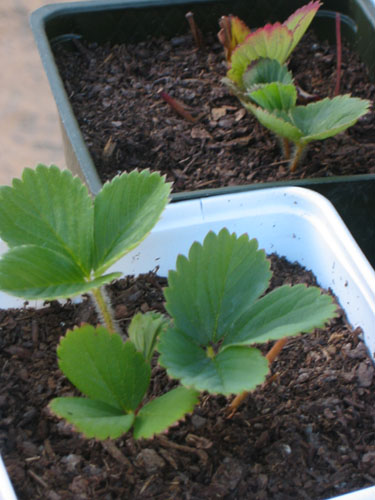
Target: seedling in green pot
61 241
216 300
259 77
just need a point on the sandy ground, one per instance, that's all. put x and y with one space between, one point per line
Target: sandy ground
29 129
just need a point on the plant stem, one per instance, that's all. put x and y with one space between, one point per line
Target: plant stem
104 309
297 156
286 148
271 356
197 35
338 54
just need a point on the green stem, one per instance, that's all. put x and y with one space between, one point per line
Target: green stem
297 156
104 309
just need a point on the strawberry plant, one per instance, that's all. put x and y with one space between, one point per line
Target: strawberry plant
259 77
61 242
216 300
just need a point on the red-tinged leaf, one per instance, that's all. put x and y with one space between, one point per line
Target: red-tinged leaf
273 42
233 32
239 30
300 20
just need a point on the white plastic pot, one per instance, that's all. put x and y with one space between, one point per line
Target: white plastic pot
294 222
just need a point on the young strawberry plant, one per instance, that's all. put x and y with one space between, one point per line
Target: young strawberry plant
115 376
275 106
61 241
259 77
216 300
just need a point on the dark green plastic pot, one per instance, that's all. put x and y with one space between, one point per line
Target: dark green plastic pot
120 21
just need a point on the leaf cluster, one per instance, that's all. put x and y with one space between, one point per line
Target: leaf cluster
61 242
218 307
258 75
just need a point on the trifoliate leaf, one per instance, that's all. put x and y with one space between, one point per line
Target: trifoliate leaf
103 367
162 412
126 210
94 419
213 298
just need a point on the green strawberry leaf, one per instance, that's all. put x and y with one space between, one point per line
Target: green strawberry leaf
299 21
233 32
126 210
144 330
278 122
275 96
285 311
273 41
104 368
211 288
94 419
34 272
41 209
265 71
230 371
328 117
158 415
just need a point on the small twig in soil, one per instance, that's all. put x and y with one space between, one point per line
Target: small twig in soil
178 107
196 32
38 479
339 54
117 454
271 356
276 163
108 149
187 449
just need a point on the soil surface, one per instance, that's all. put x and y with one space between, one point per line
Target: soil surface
307 434
116 95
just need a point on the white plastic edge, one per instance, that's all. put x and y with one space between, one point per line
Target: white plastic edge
6 488
366 494
294 222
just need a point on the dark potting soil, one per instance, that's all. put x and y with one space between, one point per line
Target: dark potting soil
115 94
306 434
